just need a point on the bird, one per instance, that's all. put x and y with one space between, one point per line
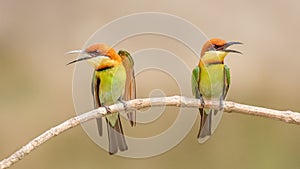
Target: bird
211 81
113 81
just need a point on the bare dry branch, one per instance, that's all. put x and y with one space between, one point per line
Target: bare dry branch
179 101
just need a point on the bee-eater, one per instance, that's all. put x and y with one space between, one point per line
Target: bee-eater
211 81
113 80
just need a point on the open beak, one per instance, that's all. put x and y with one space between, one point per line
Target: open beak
224 47
79 59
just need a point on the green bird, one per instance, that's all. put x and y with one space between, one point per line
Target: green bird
113 81
211 81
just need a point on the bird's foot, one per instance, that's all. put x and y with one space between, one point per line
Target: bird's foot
202 102
124 104
222 105
108 110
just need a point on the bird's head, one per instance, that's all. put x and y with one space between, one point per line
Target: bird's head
98 55
217 49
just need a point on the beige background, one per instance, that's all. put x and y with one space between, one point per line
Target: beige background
36 86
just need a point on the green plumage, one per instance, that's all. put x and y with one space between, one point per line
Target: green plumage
210 81
108 88
111 87
113 81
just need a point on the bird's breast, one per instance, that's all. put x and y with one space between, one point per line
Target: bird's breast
212 81
112 84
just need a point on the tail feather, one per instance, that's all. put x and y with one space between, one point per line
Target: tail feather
120 136
99 124
132 117
210 118
205 124
112 139
116 137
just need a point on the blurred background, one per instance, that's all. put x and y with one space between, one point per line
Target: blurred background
36 86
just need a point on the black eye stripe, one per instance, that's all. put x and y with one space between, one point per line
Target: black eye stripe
97 53
216 46
213 47
94 53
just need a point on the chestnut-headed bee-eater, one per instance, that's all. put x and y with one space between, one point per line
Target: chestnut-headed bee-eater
210 81
113 80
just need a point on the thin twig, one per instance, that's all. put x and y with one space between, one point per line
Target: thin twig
179 101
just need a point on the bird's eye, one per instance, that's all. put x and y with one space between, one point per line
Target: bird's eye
212 47
95 53
216 46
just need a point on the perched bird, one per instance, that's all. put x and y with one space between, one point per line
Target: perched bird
211 81
113 80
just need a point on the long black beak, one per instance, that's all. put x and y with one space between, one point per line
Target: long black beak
80 59
224 47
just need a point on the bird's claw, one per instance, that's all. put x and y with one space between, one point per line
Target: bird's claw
124 104
202 102
222 105
108 110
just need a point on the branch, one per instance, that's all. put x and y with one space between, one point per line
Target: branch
179 101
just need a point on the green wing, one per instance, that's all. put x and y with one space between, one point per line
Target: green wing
97 103
206 114
95 91
130 86
227 80
195 82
